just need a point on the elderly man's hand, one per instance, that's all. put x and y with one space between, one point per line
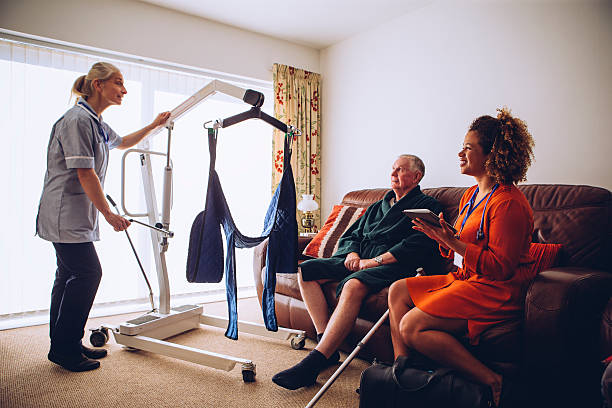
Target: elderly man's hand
352 262
367 263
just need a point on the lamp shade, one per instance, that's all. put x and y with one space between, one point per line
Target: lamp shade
307 203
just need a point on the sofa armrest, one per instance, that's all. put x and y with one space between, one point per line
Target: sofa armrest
563 312
302 244
259 261
606 331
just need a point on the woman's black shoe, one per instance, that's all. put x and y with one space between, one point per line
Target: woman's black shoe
95 353
74 362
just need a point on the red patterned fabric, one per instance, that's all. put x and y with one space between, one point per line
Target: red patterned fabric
544 256
325 243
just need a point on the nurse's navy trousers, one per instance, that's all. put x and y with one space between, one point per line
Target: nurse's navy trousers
74 289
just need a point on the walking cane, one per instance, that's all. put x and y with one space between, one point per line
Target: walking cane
351 356
348 360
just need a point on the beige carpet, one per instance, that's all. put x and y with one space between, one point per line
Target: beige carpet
142 379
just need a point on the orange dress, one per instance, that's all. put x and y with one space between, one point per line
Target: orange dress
490 286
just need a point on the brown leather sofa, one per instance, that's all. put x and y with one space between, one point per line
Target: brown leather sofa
554 353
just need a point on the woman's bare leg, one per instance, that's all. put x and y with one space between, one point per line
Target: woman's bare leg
400 303
435 338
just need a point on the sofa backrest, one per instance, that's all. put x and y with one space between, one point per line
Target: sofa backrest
578 217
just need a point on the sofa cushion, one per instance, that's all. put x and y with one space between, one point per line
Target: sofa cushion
325 243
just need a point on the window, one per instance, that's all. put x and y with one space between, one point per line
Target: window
36 83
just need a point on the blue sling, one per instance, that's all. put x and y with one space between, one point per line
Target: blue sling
205 254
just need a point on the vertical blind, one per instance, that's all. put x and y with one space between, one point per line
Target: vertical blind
35 83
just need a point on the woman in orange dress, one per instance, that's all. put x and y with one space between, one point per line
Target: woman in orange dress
490 249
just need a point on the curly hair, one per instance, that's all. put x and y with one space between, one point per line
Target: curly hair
508 144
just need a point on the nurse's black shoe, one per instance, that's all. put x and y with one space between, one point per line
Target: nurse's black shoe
73 362
95 353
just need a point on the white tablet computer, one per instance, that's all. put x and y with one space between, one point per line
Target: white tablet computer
427 216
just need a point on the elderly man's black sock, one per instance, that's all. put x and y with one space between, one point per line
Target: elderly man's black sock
303 373
334 358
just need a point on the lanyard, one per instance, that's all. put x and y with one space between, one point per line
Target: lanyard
90 111
470 209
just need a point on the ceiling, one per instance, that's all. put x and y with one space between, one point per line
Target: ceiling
314 23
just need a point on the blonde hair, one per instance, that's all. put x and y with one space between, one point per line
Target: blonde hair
102 71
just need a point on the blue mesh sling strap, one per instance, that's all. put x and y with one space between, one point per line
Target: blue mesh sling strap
205 255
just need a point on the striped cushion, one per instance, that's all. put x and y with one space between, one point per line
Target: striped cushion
325 243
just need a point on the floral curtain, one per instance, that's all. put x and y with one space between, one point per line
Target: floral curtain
297 101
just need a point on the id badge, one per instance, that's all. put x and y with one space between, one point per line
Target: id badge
458 261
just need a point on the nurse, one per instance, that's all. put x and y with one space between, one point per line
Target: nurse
77 157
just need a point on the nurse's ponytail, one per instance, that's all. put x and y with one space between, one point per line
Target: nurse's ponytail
82 87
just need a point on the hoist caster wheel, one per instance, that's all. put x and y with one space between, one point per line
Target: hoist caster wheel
298 342
248 376
98 337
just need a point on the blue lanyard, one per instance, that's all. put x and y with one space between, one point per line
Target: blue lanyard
470 209
101 130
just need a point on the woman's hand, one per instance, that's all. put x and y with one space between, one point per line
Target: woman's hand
116 221
134 138
160 120
91 185
352 262
442 234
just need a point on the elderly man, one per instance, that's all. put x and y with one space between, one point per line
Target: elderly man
374 252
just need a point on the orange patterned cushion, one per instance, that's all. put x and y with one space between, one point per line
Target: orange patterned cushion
544 255
325 243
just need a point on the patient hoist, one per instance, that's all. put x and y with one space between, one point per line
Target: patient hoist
148 331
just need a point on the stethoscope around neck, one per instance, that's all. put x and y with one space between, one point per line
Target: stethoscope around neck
470 209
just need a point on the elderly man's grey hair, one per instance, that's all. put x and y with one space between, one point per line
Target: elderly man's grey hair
417 163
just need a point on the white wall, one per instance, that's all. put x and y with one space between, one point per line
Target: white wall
414 85
142 29
411 85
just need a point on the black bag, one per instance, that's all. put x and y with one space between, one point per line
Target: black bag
400 385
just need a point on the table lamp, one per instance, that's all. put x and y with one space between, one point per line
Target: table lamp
307 205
